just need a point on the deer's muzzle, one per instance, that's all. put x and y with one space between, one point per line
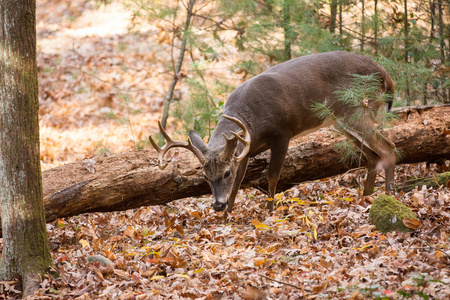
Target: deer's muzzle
218 206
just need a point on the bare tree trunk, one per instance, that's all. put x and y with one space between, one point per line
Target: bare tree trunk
405 28
26 253
363 28
408 97
433 22
432 17
333 13
132 179
441 32
287 29
375 29
341 34
169 95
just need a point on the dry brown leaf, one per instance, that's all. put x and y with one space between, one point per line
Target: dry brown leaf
444 236
150 272
251 293
205 233
122 274
413 224
128 232
417 199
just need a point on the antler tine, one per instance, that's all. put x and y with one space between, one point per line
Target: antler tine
246 140
170 144
164 133
229 148
161 163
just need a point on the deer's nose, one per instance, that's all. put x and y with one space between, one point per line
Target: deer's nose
218 206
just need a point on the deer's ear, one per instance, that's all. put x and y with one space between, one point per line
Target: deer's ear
197 141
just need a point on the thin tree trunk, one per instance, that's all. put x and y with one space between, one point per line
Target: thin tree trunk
287 29
408 96
433 22
26 253
405 28
341 33
333 13
363 28
375 29
432 17
441 32
169 95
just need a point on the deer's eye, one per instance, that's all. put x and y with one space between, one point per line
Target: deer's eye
227 174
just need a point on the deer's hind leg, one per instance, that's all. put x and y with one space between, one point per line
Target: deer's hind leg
377 149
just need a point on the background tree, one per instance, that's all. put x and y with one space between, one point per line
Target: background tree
25 254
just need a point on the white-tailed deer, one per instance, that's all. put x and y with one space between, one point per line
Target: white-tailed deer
268 110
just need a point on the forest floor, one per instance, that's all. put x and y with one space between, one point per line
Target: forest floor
317 244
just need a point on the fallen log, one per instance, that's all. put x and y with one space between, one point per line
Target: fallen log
434 181
132 179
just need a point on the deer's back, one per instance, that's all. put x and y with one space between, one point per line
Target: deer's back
278 101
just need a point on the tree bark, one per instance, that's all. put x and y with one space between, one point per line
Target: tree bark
333 14
26 253
287 29
132 179
363 25
406 33
375 26
441 32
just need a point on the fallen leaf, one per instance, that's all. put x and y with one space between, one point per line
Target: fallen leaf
122 274
251 293
260 225
84 243
413 224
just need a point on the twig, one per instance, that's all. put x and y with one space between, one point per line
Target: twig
282 282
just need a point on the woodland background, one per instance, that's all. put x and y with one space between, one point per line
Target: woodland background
105 71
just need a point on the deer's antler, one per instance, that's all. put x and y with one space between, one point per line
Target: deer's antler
171 144
245 140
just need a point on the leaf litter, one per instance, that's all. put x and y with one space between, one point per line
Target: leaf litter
311 249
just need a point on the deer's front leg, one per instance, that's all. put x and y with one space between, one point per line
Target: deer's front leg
278 152
237 183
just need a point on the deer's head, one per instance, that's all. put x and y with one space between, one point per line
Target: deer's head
219 161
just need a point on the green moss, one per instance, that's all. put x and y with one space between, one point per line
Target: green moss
387 214
434 182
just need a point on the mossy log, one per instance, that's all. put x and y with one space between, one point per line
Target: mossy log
434 181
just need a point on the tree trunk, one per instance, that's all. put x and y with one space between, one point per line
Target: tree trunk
405 26
26 253
363 25
287 29
441 32
168 98
132 179
333 14
406 31
375 27
341 34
